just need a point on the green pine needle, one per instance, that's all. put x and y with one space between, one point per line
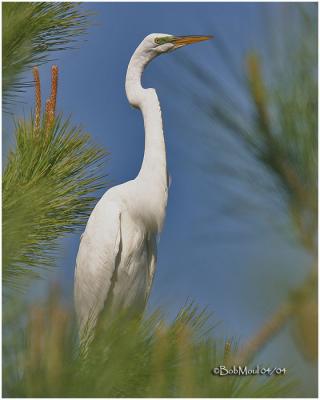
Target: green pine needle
30 31
48 191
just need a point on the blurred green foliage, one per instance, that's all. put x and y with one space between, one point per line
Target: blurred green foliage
30 31
276 123
129 357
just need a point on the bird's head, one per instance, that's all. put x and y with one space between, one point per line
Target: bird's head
160 43
150 47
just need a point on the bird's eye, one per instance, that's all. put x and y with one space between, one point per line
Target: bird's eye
163 40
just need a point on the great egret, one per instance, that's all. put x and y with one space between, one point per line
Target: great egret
117 255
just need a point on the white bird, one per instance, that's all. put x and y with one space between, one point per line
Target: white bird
117 255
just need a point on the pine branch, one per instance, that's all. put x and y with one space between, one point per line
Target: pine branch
48 189
300 304
31 31
268 330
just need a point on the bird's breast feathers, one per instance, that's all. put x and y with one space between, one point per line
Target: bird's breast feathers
145 205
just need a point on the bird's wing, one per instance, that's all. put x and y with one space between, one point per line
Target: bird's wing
152 261
96 265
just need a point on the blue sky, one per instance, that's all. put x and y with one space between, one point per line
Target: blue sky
223 258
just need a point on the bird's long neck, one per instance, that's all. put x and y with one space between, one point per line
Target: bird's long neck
154 167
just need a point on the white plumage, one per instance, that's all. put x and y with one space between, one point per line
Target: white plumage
117 255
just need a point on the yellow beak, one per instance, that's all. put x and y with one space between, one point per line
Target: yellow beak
179 41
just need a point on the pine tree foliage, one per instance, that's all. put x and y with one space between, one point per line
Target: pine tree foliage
278 124
48 183
50 176
48 187
30 32
129 357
